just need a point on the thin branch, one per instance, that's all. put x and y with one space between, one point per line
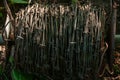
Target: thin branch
12 34
8 10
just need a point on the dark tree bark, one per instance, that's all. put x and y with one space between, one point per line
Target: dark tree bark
111 37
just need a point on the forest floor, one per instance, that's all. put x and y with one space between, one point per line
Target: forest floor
116 66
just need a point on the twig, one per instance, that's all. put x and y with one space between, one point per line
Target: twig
12 35
8 10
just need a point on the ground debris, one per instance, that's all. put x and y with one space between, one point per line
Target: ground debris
112 78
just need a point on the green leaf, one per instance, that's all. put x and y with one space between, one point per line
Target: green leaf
11 59
1 14
17 75
116 69
74 1
19 1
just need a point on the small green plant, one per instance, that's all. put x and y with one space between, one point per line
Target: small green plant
116 69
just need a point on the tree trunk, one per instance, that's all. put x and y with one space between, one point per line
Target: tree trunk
111 37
